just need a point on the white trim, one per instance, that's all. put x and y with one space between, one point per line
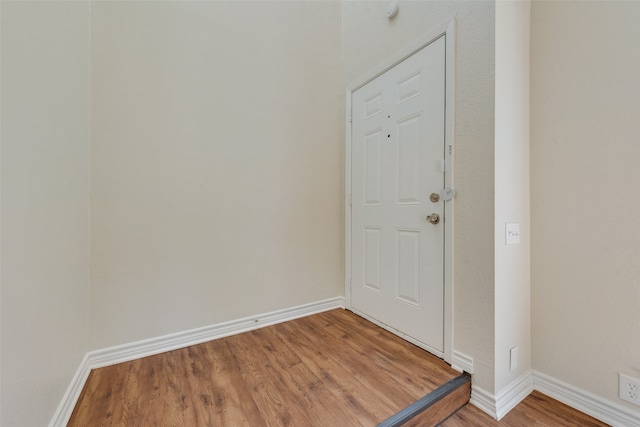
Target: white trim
581 400
449 129
347 201
514 393
401 55
498 406
127 352
68 403
149 347
602 409
447 29
484 401
462 362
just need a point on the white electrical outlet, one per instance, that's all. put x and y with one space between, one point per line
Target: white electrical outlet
630 389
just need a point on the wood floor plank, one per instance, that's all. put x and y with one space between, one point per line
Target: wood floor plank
222 402
313 393
274 394
536 410
386 349
360 365
335 377
360 406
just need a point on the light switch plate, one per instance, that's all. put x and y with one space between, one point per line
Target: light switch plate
512 233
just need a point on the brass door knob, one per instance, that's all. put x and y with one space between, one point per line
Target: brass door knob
434 197
434 218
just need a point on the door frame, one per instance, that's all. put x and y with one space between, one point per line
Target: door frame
447 29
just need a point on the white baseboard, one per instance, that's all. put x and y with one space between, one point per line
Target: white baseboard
602 409
514 393
483 400
497 406
462 362
127 352
149 347
63 413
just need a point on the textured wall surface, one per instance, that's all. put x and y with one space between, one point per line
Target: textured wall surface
45 204
368 40
512 194
585 153
216 163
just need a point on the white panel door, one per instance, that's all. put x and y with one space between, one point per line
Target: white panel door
398 142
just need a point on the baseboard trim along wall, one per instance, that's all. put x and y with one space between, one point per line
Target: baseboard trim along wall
139 349
602 409
63 413
514 393
497 406
483 400
127 352
462 362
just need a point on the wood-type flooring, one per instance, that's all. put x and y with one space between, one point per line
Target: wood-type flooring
330 369
536 410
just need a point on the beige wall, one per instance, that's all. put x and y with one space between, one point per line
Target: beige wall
216 163
512 262
368 40
216 177
585 152
45 207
